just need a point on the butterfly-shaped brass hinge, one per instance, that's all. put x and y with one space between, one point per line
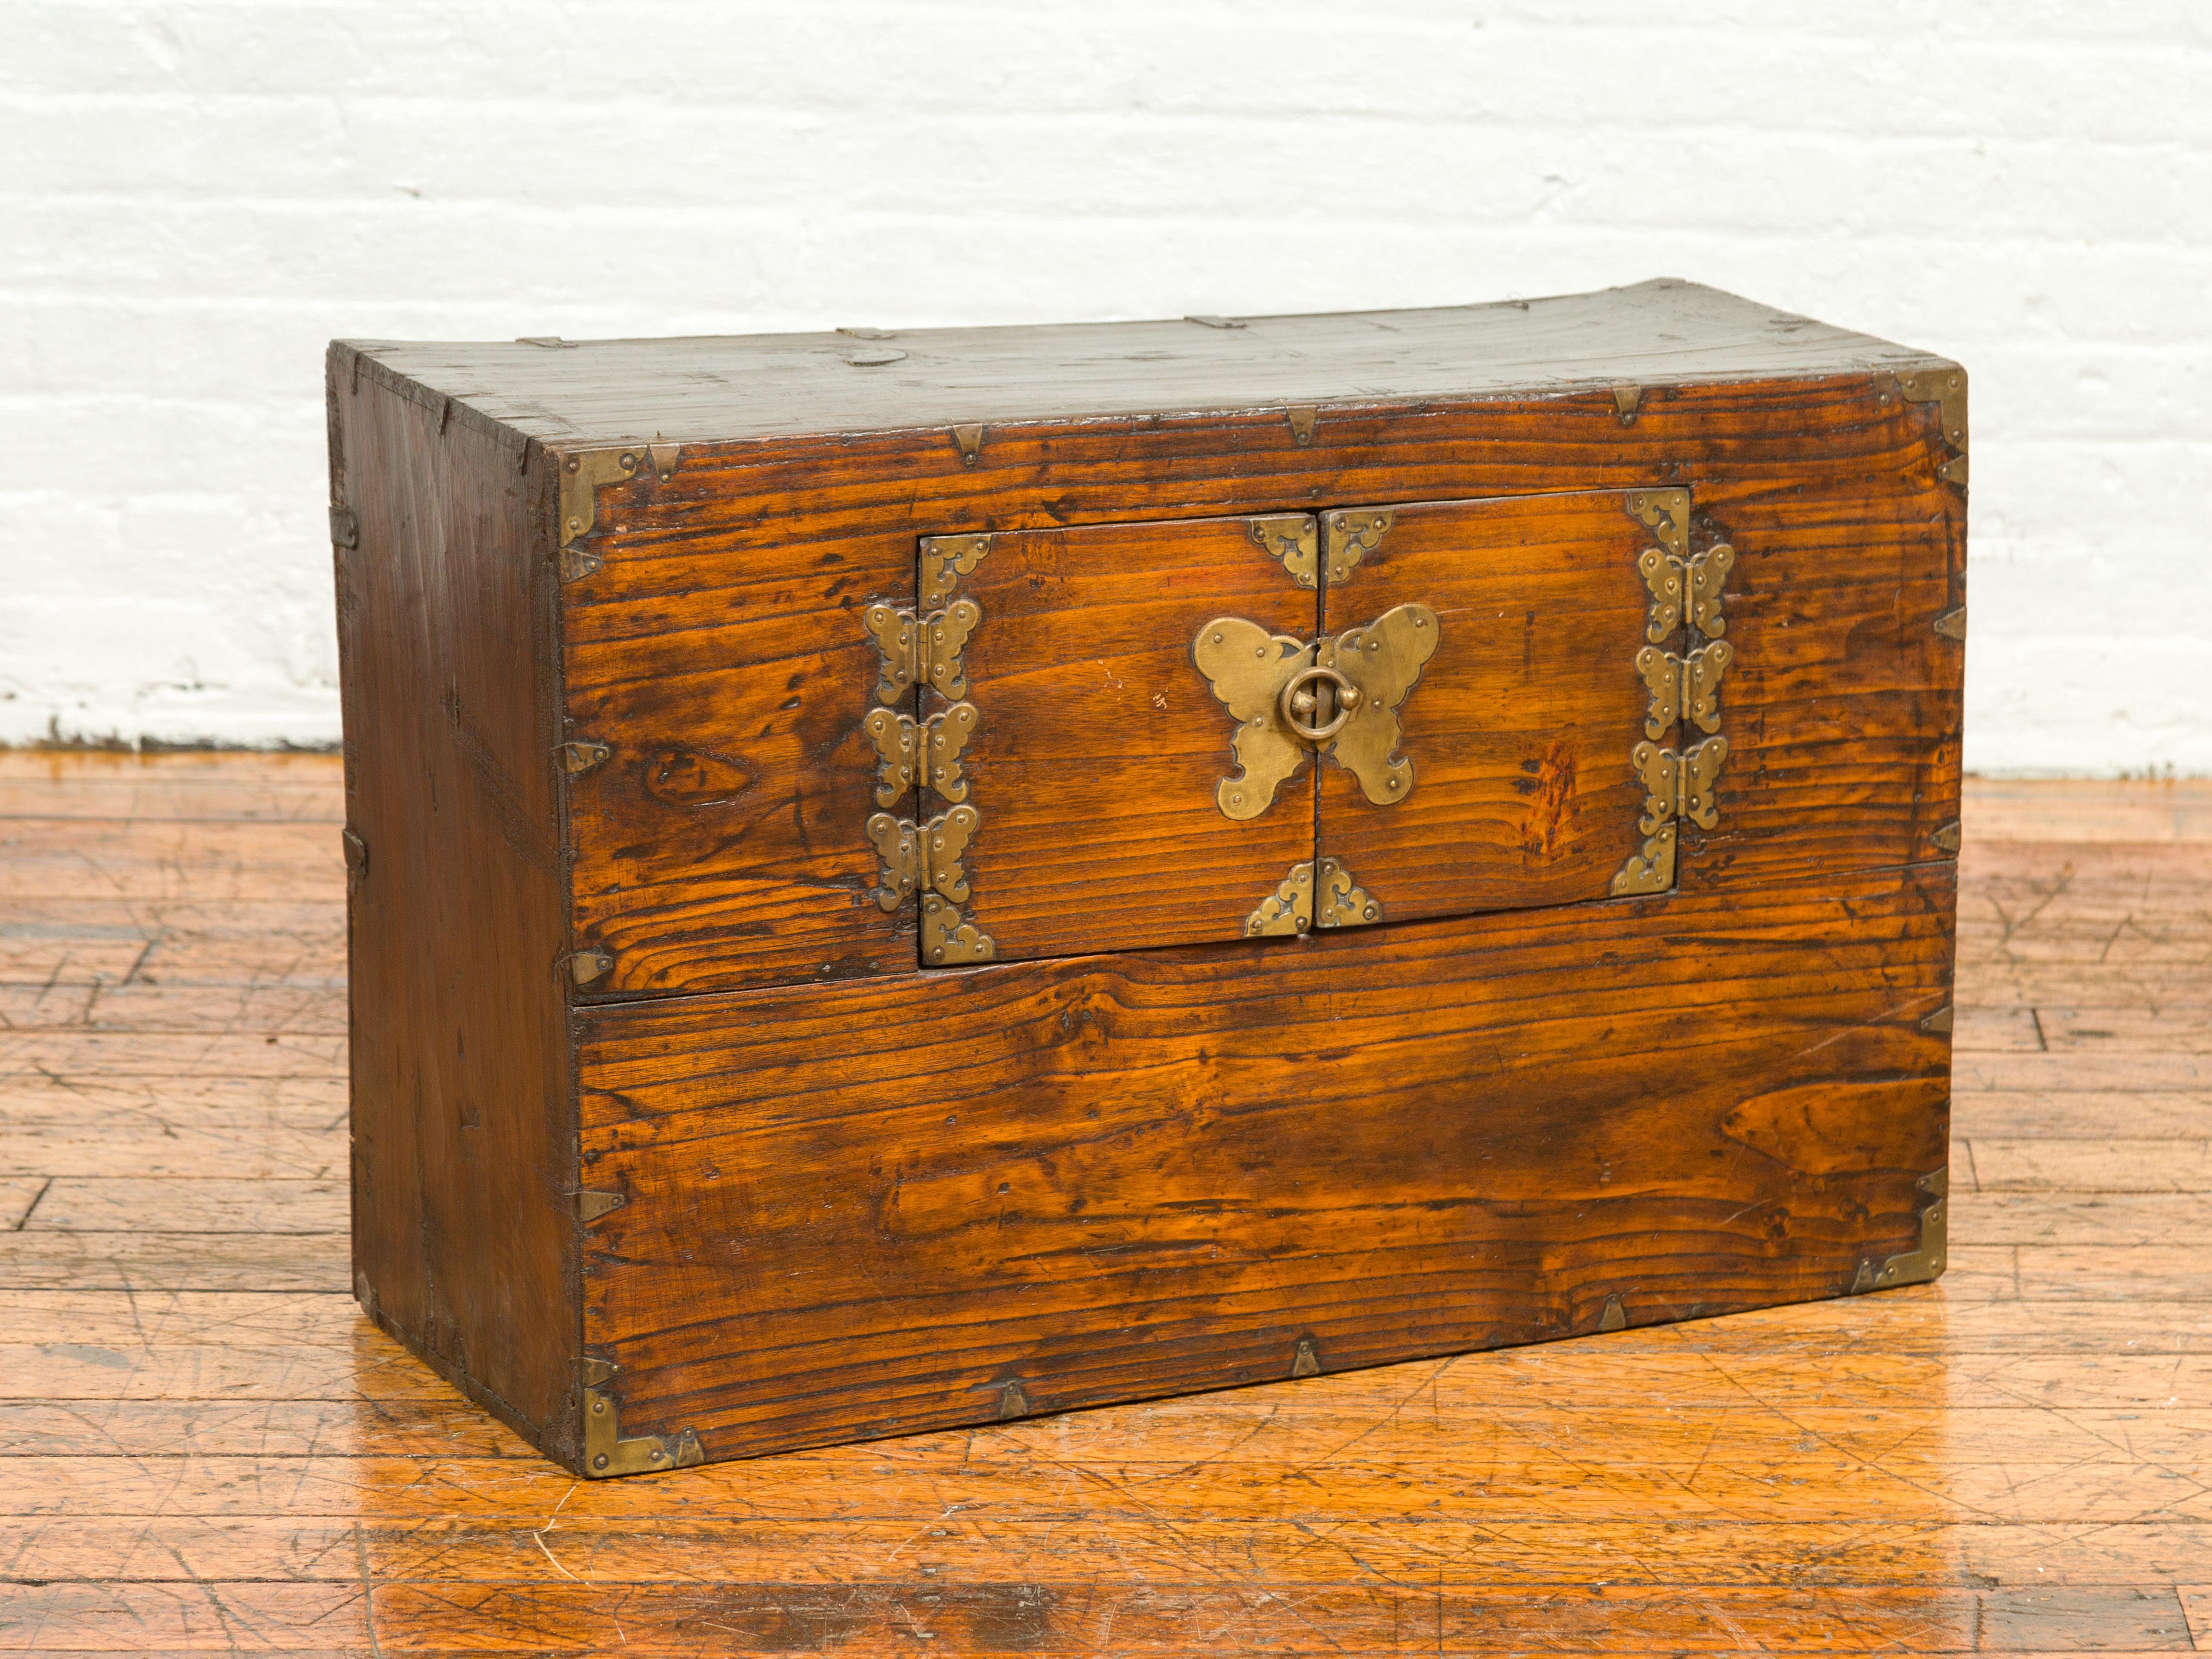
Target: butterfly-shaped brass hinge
1338 697
1682 686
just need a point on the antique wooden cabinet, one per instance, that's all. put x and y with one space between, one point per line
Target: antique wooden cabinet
901 880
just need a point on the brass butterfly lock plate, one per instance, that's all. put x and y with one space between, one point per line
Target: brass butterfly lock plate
1338 697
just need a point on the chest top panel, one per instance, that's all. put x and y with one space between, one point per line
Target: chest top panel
730 388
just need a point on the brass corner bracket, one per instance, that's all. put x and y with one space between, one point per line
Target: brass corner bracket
944 561
1293 541
1915 1267
1339 902
586 471
1946 389
1350 534
1288 910
606 1453
1666 515
1313 894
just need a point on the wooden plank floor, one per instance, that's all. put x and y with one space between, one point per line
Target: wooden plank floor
203 1448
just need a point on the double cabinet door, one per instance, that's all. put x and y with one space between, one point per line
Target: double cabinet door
1123 736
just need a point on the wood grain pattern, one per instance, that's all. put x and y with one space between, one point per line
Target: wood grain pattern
728 602
1521 728
1095 760
2013 1459
1130 1175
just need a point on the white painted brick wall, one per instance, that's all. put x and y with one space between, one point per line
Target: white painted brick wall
197 195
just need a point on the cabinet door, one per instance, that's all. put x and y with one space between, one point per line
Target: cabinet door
1093 797
1518 665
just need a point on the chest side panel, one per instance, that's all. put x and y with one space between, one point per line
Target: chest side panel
866 1210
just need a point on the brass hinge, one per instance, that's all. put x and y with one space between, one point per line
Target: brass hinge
606 1453
357 854
1675 786
1944 838
1680 686
1946 389
1625 400
1685 688
927 859
1679 786
1302 418
970 442
1915 1267
584 472
1952 624
924 649
1300 901
944 561
589 967
905 746
1676 584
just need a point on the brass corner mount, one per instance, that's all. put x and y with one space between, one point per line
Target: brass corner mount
1944 385
1919 1266
607 1453
584 472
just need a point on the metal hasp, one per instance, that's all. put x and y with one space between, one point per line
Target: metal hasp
606 1453
1682 687
1339 695
1915 1267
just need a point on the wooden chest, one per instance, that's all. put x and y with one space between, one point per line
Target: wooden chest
902 880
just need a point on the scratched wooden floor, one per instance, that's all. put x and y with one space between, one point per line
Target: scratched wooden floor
203 1448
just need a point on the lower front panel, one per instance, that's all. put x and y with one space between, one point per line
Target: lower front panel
868 1209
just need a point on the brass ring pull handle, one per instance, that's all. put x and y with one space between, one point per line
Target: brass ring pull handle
1312 692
